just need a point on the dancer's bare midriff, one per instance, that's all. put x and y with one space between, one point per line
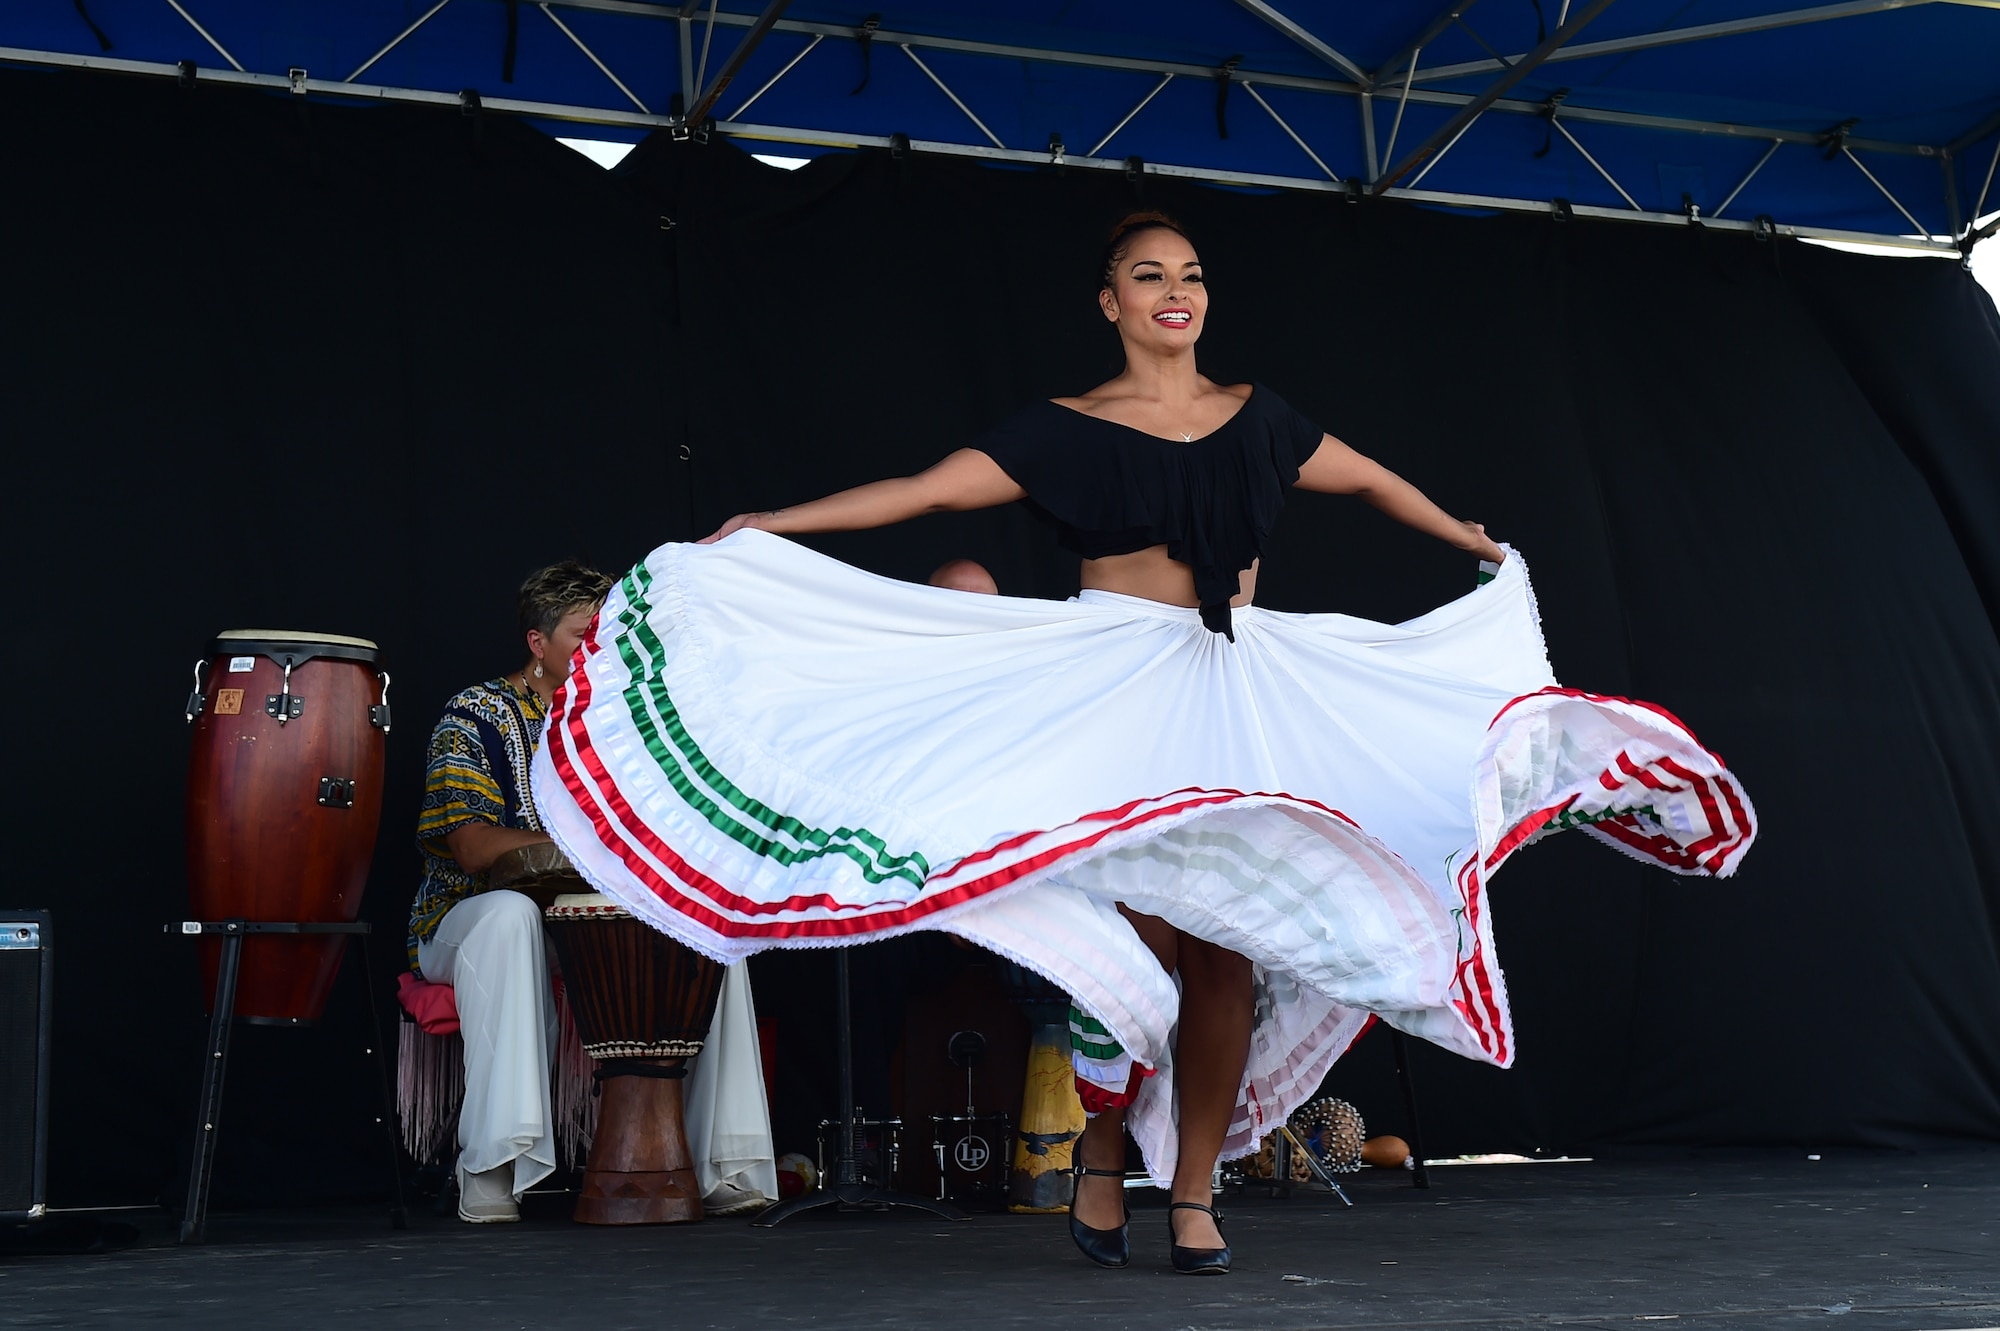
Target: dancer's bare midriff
1151 575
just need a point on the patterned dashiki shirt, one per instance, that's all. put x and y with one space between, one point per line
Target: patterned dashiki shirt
477 771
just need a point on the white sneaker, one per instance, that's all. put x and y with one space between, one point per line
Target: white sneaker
488 1198
728 1199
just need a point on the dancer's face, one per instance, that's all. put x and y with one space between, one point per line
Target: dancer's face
1156 296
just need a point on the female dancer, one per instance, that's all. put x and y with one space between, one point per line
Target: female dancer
1152 293
770 749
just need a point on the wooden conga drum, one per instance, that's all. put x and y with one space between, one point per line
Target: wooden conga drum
284 796
642 1004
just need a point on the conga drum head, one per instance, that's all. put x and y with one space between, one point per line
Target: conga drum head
290 646
539 872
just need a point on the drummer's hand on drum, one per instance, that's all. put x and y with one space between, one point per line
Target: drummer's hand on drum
476 845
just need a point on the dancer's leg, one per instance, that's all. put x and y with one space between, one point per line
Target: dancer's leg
1209 1054
1100 1202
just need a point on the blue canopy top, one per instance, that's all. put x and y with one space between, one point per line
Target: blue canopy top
1870 118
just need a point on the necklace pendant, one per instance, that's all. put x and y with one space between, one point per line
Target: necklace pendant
1187 436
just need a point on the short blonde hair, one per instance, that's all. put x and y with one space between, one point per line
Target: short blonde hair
552 592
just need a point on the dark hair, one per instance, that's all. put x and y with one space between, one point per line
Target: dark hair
1120 242
552 592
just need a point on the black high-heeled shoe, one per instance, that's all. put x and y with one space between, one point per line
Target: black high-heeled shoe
1106 1247
1197 1261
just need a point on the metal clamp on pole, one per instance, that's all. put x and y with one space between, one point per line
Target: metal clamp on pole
1834 140
1548 112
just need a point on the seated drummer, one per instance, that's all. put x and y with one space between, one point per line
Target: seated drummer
488 945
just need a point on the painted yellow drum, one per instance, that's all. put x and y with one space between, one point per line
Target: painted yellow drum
1051 1115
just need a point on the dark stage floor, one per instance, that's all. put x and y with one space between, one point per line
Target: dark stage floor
1861 1242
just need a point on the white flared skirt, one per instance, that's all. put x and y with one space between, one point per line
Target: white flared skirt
763 747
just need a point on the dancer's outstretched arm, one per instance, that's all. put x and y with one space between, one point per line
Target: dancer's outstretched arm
1339 470
968 479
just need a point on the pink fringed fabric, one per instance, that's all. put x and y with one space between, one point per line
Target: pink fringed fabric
430 1086
573 1098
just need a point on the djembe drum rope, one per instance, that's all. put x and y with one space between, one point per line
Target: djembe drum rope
622 1067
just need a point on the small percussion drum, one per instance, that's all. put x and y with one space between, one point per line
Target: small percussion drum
538 872
284 795
642 1004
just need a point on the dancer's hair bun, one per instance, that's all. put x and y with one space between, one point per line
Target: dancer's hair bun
1120 240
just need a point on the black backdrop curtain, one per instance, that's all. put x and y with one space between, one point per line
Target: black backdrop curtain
270 361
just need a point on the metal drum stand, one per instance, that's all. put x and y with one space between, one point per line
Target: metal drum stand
215 1065
972 1154
849 1191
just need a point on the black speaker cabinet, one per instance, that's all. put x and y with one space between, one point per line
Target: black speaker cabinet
26 987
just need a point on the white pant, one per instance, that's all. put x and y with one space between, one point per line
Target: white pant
489 949
728 1123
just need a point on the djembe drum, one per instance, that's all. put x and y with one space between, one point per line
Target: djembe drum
284 793
642 1004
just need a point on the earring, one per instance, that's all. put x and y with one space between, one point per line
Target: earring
538 670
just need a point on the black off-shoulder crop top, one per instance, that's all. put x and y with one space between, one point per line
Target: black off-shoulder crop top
1110 489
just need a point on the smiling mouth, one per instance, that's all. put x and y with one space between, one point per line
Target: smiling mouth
1174 318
